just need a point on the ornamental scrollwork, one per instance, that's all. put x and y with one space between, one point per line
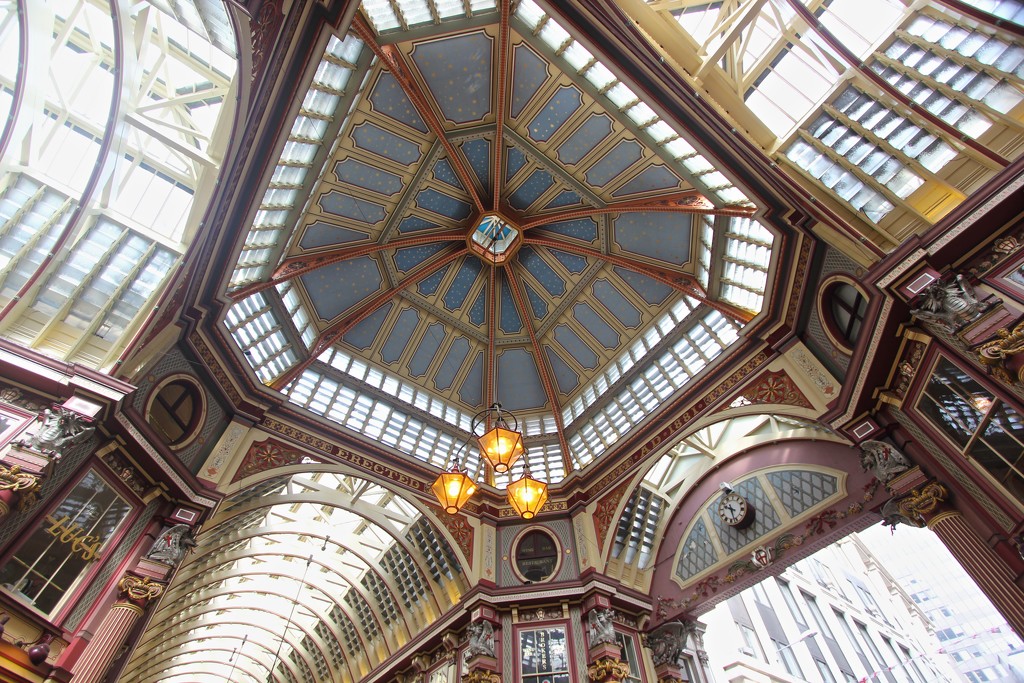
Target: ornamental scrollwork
608 669
481 677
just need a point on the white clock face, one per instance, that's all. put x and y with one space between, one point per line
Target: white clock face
732 508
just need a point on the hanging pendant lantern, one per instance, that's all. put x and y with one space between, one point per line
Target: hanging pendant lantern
527 495
453 489
502 445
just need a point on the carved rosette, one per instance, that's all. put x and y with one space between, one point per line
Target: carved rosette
23 485
481 677
139 590
608 669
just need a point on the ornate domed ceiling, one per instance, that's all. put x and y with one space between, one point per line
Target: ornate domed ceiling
498 217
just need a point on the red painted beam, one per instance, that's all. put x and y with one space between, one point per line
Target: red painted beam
687 202
295 266
337 330
392 56
542 365
682 282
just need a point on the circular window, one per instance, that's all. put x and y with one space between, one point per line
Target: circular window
176 411
536 556
847 307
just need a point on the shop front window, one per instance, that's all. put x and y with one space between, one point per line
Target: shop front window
986 430
65 545
544 655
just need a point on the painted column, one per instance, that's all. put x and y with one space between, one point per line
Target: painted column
135 593
923 502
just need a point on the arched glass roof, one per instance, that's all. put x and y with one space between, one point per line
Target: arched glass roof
108 163
308 577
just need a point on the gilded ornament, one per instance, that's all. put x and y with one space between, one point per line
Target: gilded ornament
481 677
25 483
995 354
919 503
608 669
140 588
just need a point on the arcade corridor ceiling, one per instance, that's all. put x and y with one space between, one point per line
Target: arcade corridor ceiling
624 262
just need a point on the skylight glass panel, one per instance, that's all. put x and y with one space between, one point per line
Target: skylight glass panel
381 15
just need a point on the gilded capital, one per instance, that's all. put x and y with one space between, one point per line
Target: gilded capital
923 501
481 677
139 590
25 483
608 669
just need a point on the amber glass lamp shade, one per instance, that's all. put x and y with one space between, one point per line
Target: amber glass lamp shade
502 447
527 495
453 489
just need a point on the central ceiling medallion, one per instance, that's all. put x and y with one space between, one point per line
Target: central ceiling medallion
494 238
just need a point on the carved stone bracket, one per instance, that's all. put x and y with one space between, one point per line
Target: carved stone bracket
883 459
608 669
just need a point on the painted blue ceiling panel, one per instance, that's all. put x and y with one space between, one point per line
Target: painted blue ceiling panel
441 204
384 143
659 235
360 278
519 385
537 302
362 175
453 360
362 335
650 179
576 347
400 335
410 257
389 99
574 263
444 172
457 71
566 378
652 291
563 199
428 285
529 71
584 229
597 326
541 271
514 160
464 279
478 154
479 310
585 138
532 188
509 319
621 157
428 345
618 305
322 234
351 207
562 105
414 224
472 389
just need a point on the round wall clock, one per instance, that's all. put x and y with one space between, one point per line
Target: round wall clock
734 510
